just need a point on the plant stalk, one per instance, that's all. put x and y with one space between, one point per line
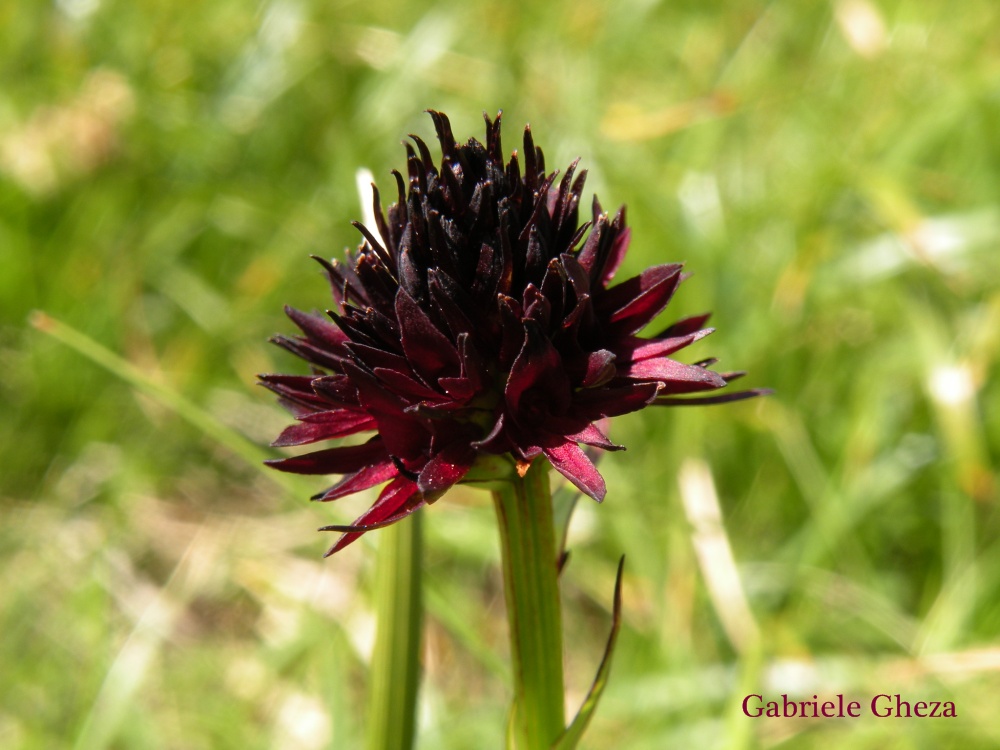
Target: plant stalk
531 590
395 669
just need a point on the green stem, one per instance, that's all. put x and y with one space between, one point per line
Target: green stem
531 589
395 670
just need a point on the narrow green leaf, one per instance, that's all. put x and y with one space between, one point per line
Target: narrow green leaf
572 735
563 504
512 727
187 410
395 671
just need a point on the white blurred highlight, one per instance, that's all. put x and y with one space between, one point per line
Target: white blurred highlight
951 385
862 26
715 555
364 179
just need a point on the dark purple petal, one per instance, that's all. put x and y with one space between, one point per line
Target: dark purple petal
403 434
405 386
511 335
359 480
398 500
373 357
721 398
430 352
597 403
600 369
325 425
305 349
317 328
573 464
629 306
592 435
336 389
295 392
685 326
668 371
451 301
616 253
342 460
633 349
537 369
446 468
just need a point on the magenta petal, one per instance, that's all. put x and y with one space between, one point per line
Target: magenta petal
635 302
598 403
316 354
342 460
721 398
360 480
336 389
324 426
634 349
397 500
685 326
617 252
570 461
628 291
669 371
592 435
317 329
446 468
296 392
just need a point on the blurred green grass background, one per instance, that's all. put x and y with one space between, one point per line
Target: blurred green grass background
830 172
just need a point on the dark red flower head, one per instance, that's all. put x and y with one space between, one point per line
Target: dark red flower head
478 319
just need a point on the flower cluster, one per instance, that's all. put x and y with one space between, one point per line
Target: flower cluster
478 319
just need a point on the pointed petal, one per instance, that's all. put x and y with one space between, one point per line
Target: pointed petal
430 352
634 349
721 398
324 426
685 326
597 403
616 254
592 435
398 499
446 468
358 481
318 329
341 460
305 349
670 371
296 392
629 306
570 461
538 368
403 434
336 389
600 369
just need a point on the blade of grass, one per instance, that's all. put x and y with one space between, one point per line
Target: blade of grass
183 407
395 671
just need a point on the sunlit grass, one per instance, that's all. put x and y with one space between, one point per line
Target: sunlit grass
827 171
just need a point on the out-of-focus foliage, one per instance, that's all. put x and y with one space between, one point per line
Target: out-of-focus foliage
827 170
